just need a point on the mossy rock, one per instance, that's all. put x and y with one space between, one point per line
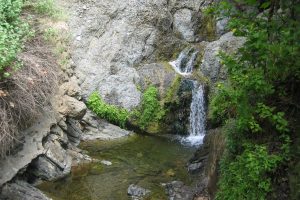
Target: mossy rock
207 29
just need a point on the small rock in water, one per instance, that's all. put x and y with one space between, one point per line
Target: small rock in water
106 162
195 167
177 190
136 192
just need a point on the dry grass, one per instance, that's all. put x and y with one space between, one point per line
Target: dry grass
24 95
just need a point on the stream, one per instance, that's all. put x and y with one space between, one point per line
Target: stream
147 161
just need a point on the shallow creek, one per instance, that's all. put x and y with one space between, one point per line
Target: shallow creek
146 161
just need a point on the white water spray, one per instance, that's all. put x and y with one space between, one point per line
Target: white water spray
197 116
184 65
185 62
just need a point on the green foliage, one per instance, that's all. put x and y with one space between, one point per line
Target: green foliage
261 79
150 110
245 178
171 93
45 7
111 113
50 34
13 33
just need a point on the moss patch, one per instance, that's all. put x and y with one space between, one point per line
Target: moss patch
208 28
171 95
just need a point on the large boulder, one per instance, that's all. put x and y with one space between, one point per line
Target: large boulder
96 129
43 168
211 65
71 107
21 190
54 163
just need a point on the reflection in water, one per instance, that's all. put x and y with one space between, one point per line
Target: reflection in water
144 160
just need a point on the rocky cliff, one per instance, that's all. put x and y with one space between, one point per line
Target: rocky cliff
117 48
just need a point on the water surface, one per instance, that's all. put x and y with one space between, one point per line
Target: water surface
146 161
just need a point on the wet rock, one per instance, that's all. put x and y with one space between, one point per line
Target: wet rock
78 157
46 169
106 162
176 190
211 65
21 191
177 118
54 163
71 107
137 192
57 154
195 167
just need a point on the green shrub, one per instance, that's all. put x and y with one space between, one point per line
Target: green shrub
245 178
258 95
13 33
45 7
150 110
111 113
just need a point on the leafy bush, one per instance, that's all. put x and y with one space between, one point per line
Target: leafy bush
150 110
245 177
262 79
46 7
13 33
111 113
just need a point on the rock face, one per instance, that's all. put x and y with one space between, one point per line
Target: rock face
211 66
177 119
96 129
111 38
21 190
161 75
183 24
31 149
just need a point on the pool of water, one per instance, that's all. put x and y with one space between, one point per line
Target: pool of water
146 161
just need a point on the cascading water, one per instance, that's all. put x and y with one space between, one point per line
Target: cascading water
197 116
184 65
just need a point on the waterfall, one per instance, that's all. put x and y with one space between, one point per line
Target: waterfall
184 65
197 116
185 62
